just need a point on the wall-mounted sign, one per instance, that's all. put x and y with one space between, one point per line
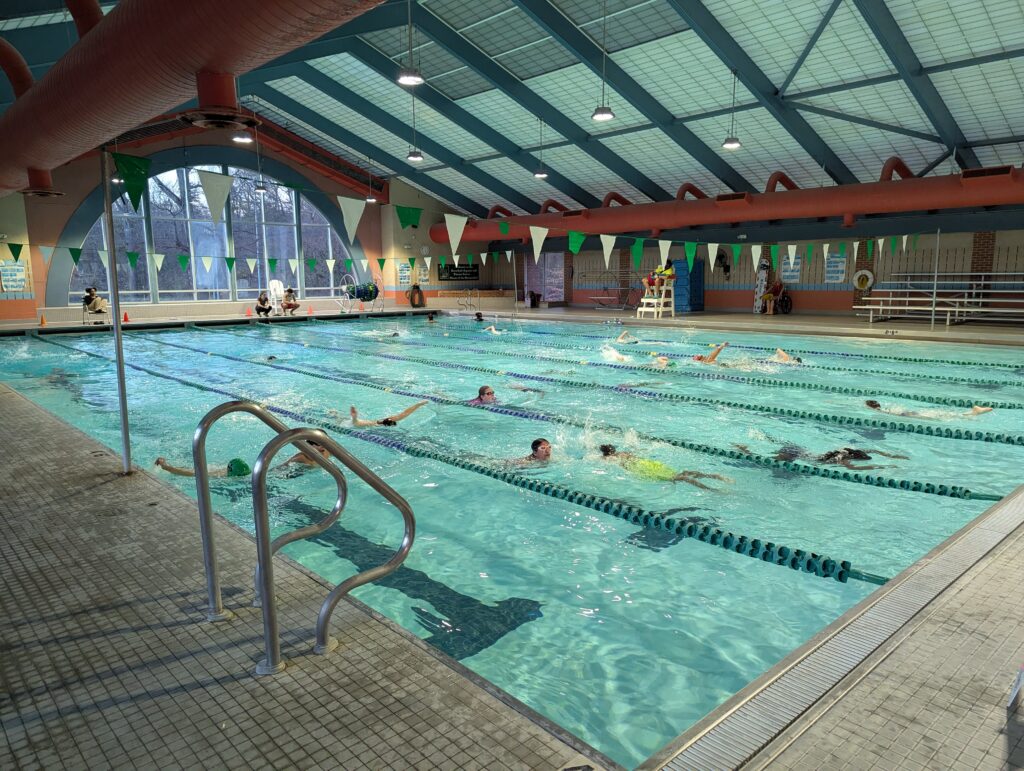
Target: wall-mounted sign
835 269
451 272
13 277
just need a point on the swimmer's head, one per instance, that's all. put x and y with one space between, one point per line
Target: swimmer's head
872 404
388 422
798 360
698 357
479 316
486 393
855 454
607 449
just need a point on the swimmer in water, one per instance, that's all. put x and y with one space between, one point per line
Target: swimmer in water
840 457
540 452
492 330
903 412
656 471
710 358
391 420
608 353
781 357
662 362
236 467
627 339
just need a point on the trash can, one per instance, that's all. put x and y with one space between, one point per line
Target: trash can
534 299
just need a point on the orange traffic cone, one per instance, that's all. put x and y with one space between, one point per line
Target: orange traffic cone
42 320
362 307
125 319
248 311
309 310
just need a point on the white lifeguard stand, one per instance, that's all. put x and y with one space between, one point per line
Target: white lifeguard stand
658 301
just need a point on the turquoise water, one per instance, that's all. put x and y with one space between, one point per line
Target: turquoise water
623 636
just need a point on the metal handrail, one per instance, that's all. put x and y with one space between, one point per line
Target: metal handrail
215 609
264 548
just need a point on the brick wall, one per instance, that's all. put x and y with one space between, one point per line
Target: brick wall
861 263
983 251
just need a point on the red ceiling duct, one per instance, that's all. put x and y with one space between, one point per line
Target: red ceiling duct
552 205
40 182
499 211
140 61
895 165
86 13
1000 186
692 189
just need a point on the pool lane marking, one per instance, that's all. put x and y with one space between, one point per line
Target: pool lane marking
804 366
766 551
683 372
953 491
879 357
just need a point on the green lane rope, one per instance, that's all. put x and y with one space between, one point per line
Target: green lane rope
767 551
880 357
759 381
804 366
952 491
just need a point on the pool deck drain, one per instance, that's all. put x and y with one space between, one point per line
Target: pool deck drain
916 676
106 661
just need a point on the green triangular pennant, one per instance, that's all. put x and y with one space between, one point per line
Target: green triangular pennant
381 262
469 259
444 259
810 253
576 239
893 240
348 265
134 172
408 215
183 261
76 253
913 240
412 263
503 227
871 248
495 256
311 263
637 251
842 249
272 264
15 250
230 262
736 249
774 251
133 257
690 250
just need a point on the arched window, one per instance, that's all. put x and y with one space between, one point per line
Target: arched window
182 255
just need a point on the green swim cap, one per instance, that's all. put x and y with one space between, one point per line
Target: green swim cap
238 468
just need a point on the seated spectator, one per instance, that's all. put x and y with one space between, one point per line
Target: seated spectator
93 302
263 306
659 277
770 297
289 304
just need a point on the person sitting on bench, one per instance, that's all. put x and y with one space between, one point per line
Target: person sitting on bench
92 302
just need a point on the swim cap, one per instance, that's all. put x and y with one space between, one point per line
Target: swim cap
238 468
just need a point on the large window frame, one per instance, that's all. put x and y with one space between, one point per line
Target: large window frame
286 231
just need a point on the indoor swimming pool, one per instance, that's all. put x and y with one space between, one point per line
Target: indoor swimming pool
616 602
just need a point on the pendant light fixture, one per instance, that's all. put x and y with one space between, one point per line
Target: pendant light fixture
370 197
540 173
603 113
731 142
409 75
414 156
261 185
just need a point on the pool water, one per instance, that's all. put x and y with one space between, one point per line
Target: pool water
622 634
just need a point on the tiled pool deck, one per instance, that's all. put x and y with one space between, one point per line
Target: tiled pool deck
106 660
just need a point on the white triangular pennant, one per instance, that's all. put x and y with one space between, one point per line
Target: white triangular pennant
294 265
427 260
483 258
755 255
216 188
792 255
537 235
824 249
351 213
712 253
251 262
363 264
607 244
158 261
207 263
905 244
330 265
103 256
456 224
455 257
508 255
856 248
47 252
881 241
663 247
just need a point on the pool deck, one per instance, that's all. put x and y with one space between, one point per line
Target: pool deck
106 660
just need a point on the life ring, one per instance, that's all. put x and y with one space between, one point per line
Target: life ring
863 280
415 295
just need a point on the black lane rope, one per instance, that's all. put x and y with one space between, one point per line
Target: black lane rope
803 366
767 551
952 491
759 381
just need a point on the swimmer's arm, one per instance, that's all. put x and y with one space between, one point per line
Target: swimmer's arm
187 472
847 464
888 454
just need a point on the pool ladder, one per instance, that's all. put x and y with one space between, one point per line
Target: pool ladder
265 548
465 301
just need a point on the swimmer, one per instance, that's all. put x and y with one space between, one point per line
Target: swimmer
781 357
710 358
236 467
430 318
840 457
663 362
540 452
656 471
903 412
271 358
479 316
610 354
627 339
484 396
391 420
492 330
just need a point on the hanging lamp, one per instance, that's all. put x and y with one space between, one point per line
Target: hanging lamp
540 173
414 156
409 75
603 113
732 142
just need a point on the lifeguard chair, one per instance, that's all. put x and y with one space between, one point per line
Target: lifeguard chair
658 301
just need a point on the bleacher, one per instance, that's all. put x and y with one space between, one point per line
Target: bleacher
953 298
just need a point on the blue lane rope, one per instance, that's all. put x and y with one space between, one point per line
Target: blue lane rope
952 491
767 551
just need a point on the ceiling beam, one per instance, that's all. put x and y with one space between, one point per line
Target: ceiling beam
865 122
708 28
580 45
825 19
908 66
511 86
388 68
400 128
299 111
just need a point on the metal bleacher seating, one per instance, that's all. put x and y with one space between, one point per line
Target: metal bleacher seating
951 297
